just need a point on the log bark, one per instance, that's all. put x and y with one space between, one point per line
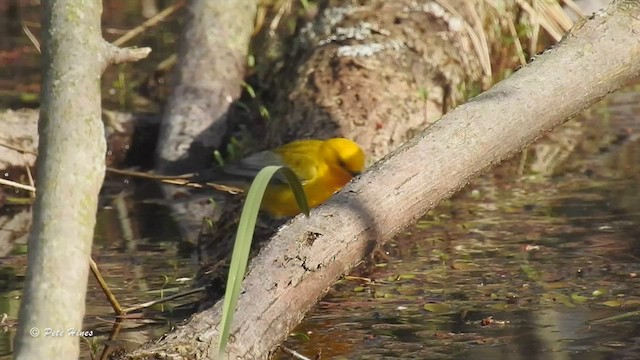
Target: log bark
70 173
307 255
382 71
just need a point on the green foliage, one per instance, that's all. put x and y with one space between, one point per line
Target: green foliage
423 93
249 89
121 86
244 237
218 157
236 149
264 112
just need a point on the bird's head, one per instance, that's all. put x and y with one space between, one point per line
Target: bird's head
346 154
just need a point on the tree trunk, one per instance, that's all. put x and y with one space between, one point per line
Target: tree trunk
306 256
211 65
70 173
210 71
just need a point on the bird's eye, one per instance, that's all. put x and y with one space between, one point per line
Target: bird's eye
346 167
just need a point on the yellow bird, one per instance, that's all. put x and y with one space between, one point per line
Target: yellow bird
323 167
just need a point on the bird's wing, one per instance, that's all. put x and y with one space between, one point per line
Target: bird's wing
298 156
240 173
249 166
302 164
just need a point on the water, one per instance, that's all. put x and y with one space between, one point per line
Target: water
536 279
138 249
513 267
517 266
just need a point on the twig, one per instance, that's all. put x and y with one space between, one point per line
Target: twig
145 175
105 288
513 32
31 37
149 23
115 331
575 7
538 19
535 35
284 8
554 12
19 149
17 185
29 174
129 54
181 180
474 37
516 42
29 187
167 63
482 38
358 278
160 301
293 353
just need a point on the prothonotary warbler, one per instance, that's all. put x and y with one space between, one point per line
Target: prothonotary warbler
323 167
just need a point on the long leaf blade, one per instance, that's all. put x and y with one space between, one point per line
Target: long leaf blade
244 237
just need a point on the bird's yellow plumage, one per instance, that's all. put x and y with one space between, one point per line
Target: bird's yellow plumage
323 167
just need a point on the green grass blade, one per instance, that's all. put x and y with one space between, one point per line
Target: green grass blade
244 237
297 189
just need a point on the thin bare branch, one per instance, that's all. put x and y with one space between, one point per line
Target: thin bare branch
105 288
17 185
31 37
118 55
163 300
149 23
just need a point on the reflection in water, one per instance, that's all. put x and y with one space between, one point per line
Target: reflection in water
136 247
542 276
